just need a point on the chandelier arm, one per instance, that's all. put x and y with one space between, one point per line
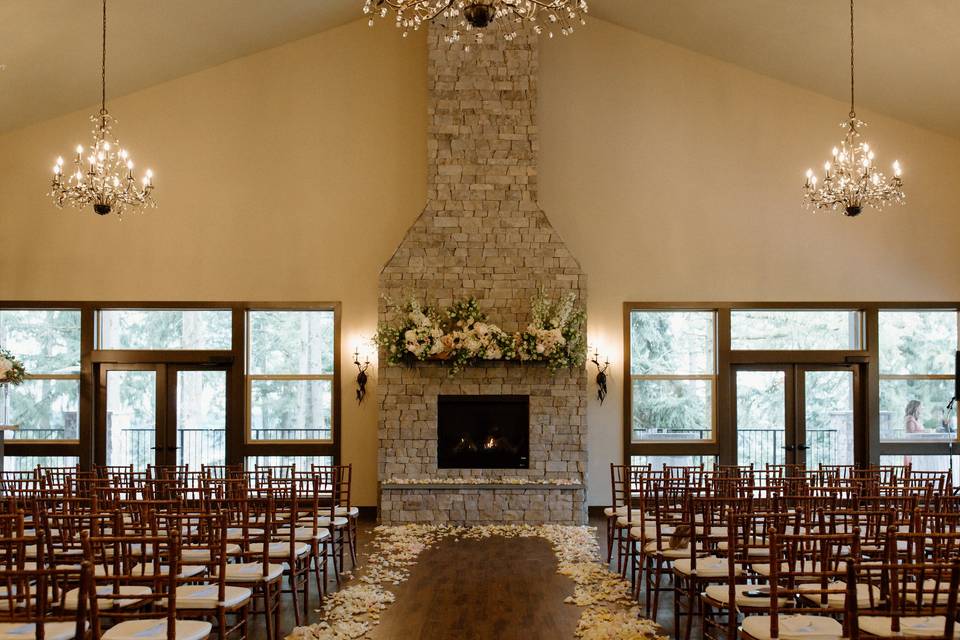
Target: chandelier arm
853 112
431 14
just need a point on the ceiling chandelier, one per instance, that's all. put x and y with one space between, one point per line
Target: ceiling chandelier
851 181
472 17
102 174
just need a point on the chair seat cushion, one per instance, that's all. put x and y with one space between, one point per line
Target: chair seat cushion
191 556
157 630
252 572
186 571
324 521
236 533
751 551
795 627
864 598
304 534
26 631
619 511
204 596
812 567
282 549
666 552
747 595
348 512
909 627
70 599
707 567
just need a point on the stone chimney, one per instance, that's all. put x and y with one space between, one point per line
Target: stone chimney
482 234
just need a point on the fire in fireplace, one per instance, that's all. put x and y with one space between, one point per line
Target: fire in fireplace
483 432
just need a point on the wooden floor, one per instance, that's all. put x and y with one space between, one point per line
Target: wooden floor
491 589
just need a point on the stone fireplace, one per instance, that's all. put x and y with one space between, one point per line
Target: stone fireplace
482 234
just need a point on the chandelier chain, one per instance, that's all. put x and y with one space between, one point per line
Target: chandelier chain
853 113
103 62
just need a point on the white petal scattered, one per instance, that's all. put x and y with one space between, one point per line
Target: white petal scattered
609 611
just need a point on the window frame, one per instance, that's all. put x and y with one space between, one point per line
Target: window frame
91 357
249 378
868 449
709 377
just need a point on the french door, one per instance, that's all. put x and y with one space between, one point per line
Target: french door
798 414
162 414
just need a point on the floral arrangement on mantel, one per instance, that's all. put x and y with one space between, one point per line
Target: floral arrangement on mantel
461 336
553 482
12 370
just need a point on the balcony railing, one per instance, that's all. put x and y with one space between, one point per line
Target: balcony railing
762 446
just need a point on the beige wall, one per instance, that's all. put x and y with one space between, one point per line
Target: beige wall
293 174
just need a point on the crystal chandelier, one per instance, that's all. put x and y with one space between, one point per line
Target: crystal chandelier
102 175
472 17
851 181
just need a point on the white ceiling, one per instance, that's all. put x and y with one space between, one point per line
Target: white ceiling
907 49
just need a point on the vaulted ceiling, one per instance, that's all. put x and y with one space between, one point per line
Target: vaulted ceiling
907 49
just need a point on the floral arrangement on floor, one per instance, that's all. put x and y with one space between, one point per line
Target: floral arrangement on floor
554 482
609 611
12 370
461 336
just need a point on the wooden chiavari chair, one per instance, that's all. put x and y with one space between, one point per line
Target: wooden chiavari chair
152 563
343 475
32 594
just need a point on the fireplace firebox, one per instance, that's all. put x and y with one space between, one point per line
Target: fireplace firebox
483 432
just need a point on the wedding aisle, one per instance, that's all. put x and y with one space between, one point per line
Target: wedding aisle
499 582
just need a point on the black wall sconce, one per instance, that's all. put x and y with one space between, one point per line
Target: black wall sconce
601 375
361 375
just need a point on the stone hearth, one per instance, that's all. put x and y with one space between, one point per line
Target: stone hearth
482 234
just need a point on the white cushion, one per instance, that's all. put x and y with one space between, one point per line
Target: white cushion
186 570
189 556
794 627
839 599
157 630
666 552
205 596
721 593
26 631
303 534
708 567
812 567
70 599
352 512
282 549
610 511
751 551
252 572
929 587
909 627
236 533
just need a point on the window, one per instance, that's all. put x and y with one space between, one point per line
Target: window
917 349
46 405
927 463
798 330
29 463
659 462
304 463
290 375
169 329
672 375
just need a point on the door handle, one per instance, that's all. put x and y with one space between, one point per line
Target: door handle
802 447
789 447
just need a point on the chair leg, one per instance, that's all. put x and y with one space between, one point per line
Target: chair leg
610 523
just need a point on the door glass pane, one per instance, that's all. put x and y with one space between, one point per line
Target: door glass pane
672 409
131 418
795 329
201 418
828 400
165 329
761 417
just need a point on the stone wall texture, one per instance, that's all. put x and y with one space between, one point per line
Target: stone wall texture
482 234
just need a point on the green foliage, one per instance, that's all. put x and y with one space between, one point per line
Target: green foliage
461 336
